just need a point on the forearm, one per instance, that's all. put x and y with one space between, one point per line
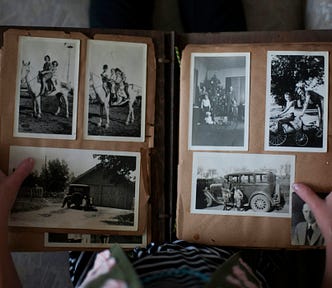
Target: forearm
8 273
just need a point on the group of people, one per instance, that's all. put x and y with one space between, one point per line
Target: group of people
114 83
228 107
47 76
232 198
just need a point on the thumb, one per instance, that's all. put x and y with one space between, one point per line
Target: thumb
316 204
16 179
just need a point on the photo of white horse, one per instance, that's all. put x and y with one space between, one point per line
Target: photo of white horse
115 91
46 88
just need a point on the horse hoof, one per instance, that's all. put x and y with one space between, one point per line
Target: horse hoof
107 125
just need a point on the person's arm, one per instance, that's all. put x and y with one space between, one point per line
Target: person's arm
9 186
322 209
283 112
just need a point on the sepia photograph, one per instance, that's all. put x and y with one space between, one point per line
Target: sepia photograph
93 240
219 101
242 184
305 230
46 88
77 189
115 91
296 114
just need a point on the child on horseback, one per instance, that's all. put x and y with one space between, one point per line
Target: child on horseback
46 75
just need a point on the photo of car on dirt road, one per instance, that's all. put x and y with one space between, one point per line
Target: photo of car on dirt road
77 189
242 184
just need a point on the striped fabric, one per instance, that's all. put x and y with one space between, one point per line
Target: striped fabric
176 264
179 264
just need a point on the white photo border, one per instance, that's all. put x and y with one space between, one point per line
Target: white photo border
47 48
246 104
94 44
239 163
40 154
267 146
89 244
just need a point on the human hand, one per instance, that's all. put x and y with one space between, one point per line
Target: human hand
321 208
9 186
103 264
241 275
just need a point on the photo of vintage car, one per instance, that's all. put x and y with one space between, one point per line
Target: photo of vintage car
259 191
78 197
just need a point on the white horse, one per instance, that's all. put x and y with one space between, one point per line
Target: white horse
97 91
61 92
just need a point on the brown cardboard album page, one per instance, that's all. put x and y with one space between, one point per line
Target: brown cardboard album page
253 120
83 108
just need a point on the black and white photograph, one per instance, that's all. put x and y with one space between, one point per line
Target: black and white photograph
77 189
296 116
46 88
305 230
242 184
93 240
115 92
219 101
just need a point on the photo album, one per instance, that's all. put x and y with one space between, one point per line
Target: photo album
133 145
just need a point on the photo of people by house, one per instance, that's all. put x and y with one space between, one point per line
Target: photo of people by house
296 101
219 101
77 189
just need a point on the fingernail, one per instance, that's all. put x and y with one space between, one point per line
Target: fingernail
295 186
30 162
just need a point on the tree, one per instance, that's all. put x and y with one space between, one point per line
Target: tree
288 70
117 168
55 176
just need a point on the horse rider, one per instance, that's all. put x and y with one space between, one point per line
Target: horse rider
121 89
105 78
46 75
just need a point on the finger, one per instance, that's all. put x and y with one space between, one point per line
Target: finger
234 281
21 172
308 196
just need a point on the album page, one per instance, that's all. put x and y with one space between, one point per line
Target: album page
253 120
83 108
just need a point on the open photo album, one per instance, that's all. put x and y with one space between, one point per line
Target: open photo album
130 141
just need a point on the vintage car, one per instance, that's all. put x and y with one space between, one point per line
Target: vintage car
78 197
256 190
